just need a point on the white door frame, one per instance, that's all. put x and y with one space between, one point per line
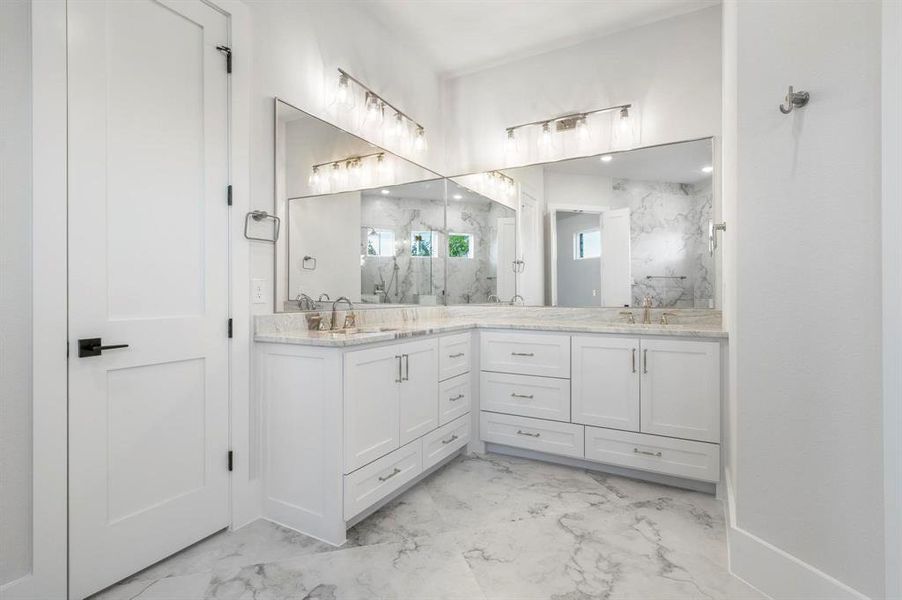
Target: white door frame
553 210
48 577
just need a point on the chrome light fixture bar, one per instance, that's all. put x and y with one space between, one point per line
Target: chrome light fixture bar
571 121
375 106
335 174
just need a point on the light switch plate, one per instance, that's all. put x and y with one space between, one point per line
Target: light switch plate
258 291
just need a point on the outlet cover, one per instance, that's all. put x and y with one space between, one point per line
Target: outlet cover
258 291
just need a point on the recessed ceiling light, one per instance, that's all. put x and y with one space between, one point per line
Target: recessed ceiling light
607 158
386 192
457 196
707 169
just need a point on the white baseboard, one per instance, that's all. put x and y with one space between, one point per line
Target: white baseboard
774 572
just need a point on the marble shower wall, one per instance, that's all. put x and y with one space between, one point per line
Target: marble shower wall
669 239
473 280
405 278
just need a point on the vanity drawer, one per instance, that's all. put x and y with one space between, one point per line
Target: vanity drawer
535 434
454 356
526 353
682 458
445 441
454 398
525 395
369 484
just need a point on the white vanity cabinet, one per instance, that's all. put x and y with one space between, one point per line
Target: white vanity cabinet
391 398
606 381
640 402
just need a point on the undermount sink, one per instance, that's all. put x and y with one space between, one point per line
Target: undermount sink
339 333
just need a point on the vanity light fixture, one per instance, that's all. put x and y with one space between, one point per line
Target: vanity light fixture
398 126
607 158
496 181
623 125
354 170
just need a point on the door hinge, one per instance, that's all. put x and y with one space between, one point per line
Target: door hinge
228 53
229 194
230 328
231 460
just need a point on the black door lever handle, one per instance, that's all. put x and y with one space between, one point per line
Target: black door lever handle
94 347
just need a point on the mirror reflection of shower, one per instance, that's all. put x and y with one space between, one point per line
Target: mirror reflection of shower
370 245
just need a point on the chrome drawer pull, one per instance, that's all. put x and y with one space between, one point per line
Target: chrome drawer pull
522 354
451 439
390 475
458 355
645 452
634 360
456 398
516 395
520 432
645 360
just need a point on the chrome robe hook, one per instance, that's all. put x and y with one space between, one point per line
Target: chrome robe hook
794 100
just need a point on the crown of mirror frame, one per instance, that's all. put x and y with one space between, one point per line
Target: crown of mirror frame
378 115
572 134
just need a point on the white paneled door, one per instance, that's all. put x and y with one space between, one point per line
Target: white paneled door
148 267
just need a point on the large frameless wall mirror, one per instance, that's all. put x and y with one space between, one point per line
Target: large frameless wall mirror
626 228
365 224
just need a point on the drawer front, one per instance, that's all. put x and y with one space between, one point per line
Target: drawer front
455 355
454 397
526 354
682 458
445 441
367 485
525 395
535 434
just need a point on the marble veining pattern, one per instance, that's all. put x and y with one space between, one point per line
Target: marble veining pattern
483 527
399 323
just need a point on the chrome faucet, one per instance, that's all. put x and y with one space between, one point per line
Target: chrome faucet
665 316
494 298
514 300
350 319
305 302
646 310
323 296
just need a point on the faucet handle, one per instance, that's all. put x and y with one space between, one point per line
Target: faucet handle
665 315
631 318
350 321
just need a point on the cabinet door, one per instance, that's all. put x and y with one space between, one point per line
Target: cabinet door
371 381
681 389
419 389
605 384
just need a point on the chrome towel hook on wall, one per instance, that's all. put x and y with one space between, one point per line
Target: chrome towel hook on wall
794 100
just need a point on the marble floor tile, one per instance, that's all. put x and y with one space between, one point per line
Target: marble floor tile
484 526
260 541
402 570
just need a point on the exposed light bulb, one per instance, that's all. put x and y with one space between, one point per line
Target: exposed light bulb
315 179
607 158
510 143
374 109
546 139
582 129
344 95
419 141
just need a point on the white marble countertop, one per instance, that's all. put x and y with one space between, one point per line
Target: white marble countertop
407 323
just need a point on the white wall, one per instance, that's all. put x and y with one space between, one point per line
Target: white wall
577 279
671 69
806 322
327 228
297 48
892 290
15 291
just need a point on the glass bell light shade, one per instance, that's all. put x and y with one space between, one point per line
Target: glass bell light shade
344 95
336 177
545 143
382 172
315 180
511 143
625 128
419 140
395 127
374 110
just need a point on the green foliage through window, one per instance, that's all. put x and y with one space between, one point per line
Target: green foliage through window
460 245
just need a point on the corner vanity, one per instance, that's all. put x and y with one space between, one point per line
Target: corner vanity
352 418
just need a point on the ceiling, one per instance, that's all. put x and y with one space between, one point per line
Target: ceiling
433 189
463 36
675 163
